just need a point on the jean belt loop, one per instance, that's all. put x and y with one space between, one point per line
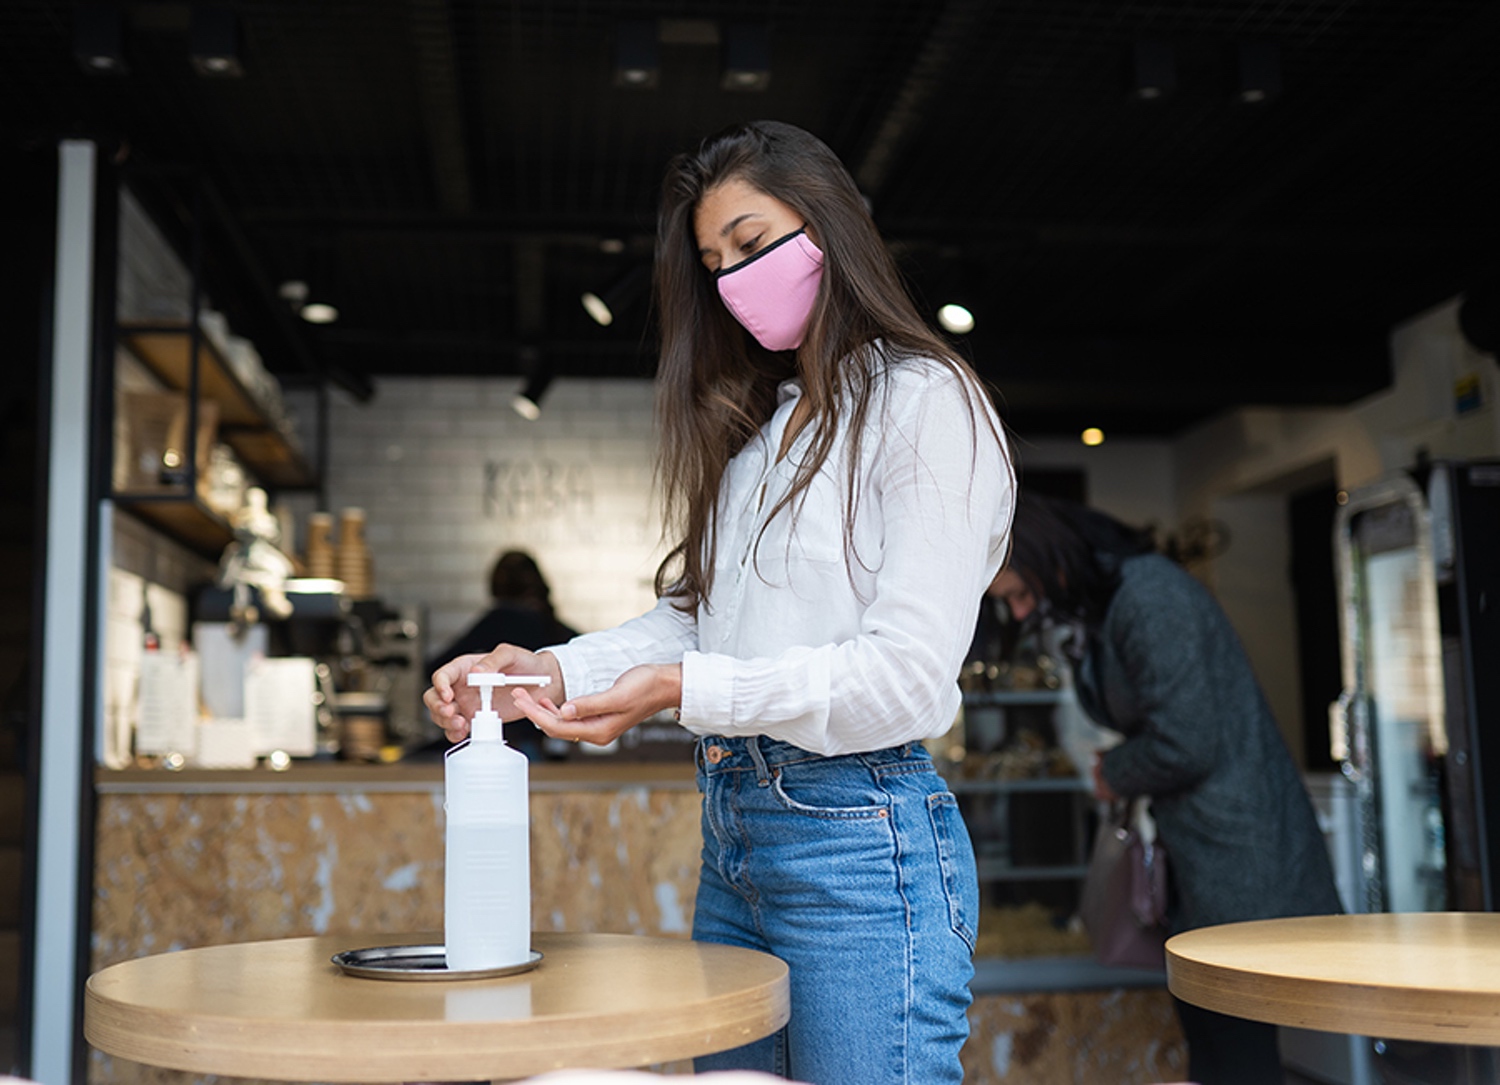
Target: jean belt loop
762 774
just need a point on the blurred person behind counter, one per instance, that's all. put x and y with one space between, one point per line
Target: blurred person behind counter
1156 660
522 615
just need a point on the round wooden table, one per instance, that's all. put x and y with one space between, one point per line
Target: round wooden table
1419 976
282 1010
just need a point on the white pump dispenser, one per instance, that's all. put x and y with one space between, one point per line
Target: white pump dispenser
487 880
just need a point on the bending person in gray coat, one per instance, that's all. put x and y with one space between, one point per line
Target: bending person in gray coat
1157 660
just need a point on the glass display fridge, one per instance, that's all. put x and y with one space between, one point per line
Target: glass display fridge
1417 728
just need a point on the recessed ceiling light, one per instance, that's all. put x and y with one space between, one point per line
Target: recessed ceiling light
317 312
1259 72
1092 436
956 319
1153 70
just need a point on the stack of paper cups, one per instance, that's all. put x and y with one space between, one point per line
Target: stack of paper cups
320 556
355 568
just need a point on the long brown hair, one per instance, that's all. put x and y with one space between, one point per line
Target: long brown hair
716 386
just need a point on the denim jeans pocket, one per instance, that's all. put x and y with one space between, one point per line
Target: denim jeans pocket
832 797
956 860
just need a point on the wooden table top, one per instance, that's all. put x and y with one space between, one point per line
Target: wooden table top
282 1010
1414 976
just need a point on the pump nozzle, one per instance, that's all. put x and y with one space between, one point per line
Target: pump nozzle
486 721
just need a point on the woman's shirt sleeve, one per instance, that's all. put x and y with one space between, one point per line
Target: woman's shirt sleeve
941 485
590 663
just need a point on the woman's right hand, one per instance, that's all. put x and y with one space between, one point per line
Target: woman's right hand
452 702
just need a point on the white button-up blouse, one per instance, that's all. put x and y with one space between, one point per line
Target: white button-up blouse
833 652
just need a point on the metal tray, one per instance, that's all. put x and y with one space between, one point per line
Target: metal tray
427 962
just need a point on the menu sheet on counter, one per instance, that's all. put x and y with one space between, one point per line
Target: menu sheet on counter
168 717
279 705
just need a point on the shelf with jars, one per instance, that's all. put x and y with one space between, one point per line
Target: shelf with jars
1019 760
190 487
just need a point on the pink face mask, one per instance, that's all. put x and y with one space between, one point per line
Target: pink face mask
772 293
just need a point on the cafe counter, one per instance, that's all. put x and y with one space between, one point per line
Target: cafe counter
200 857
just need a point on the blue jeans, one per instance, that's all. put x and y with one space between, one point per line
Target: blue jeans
856 871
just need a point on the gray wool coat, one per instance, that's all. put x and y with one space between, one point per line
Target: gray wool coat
1167 671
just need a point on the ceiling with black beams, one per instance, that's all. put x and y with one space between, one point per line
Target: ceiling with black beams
454 174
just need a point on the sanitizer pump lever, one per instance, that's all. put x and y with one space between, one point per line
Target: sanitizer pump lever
486 724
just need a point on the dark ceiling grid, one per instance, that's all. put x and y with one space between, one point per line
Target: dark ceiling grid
1027 127
401 170
438 94
1083 97
33 48
1087 277
489 58
1288 180
557 186
323 136
338 80
425 317
1405 179
1093 229
940 50
611 185
589 114
1043 134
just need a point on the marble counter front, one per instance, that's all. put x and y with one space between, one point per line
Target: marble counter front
189 859
199 858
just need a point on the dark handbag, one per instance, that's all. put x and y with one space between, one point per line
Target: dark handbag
1124 907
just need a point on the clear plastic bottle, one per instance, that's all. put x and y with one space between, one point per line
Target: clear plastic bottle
487 881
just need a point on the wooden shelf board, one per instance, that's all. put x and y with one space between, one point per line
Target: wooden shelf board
166 351
182 517
274 462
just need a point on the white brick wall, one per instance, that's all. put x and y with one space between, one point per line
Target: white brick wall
449 476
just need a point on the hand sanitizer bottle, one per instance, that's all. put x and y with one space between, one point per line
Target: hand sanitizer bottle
487 881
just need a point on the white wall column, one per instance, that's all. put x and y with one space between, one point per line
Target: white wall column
61 780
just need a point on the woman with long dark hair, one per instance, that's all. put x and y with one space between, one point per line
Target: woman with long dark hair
839 495
1156 659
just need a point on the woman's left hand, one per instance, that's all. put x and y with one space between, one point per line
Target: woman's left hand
638 694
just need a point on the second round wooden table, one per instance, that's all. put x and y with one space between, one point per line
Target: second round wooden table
1431 976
